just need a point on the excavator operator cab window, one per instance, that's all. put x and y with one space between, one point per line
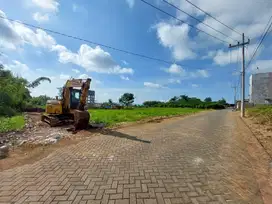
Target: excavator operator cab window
75 97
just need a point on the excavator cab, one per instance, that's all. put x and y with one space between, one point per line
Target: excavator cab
71 108
74 98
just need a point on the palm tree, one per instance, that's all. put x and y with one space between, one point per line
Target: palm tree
37 82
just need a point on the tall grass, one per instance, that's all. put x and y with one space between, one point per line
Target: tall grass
261 114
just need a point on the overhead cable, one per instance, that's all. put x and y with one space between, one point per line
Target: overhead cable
199 20
95 43
213 17
192 26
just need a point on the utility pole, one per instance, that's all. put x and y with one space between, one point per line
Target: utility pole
235 91
243 72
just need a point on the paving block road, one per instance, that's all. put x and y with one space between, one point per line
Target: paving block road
196 159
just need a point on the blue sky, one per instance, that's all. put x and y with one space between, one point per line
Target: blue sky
208 67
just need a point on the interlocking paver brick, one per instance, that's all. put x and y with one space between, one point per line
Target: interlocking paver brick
176 161
123 201
116 196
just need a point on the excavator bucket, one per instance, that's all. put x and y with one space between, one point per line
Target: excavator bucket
81 119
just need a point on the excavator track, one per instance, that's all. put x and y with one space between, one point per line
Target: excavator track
55 121
51 120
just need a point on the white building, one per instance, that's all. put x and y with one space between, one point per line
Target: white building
260 88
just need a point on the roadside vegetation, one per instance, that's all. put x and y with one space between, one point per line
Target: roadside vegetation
15 98
114 116
261 114
13 123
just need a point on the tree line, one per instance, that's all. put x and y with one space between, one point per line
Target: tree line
15 94
184 101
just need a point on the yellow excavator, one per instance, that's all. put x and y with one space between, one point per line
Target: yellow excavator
71 108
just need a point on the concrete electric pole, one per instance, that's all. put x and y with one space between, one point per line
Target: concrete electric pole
243 72
235 91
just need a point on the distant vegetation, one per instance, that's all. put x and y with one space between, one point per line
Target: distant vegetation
185 101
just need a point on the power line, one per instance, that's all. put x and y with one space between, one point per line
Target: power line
95 43
155 7
213 17
266 30
198 20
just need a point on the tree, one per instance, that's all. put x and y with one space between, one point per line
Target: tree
208 99
222 101
174 99
14 93
110 102
126 99
184 97
40 100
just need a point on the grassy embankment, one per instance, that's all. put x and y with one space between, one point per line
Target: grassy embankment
12 123
261 114
112 117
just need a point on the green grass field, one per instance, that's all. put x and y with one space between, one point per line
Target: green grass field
262 114
111 117
11 124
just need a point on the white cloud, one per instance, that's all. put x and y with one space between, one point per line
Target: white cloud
93 81
49 5
231 14
153 85
210 54
92 59
83 76
64 76
174 81
76 71
184 46
124 78
223 58
17 68
261 66
10 38
176 38
40 17
176 69
130 3
125 62
195 85
179 71
200 73
38 39
15 35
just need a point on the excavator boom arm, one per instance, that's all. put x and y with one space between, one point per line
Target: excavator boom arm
84 94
